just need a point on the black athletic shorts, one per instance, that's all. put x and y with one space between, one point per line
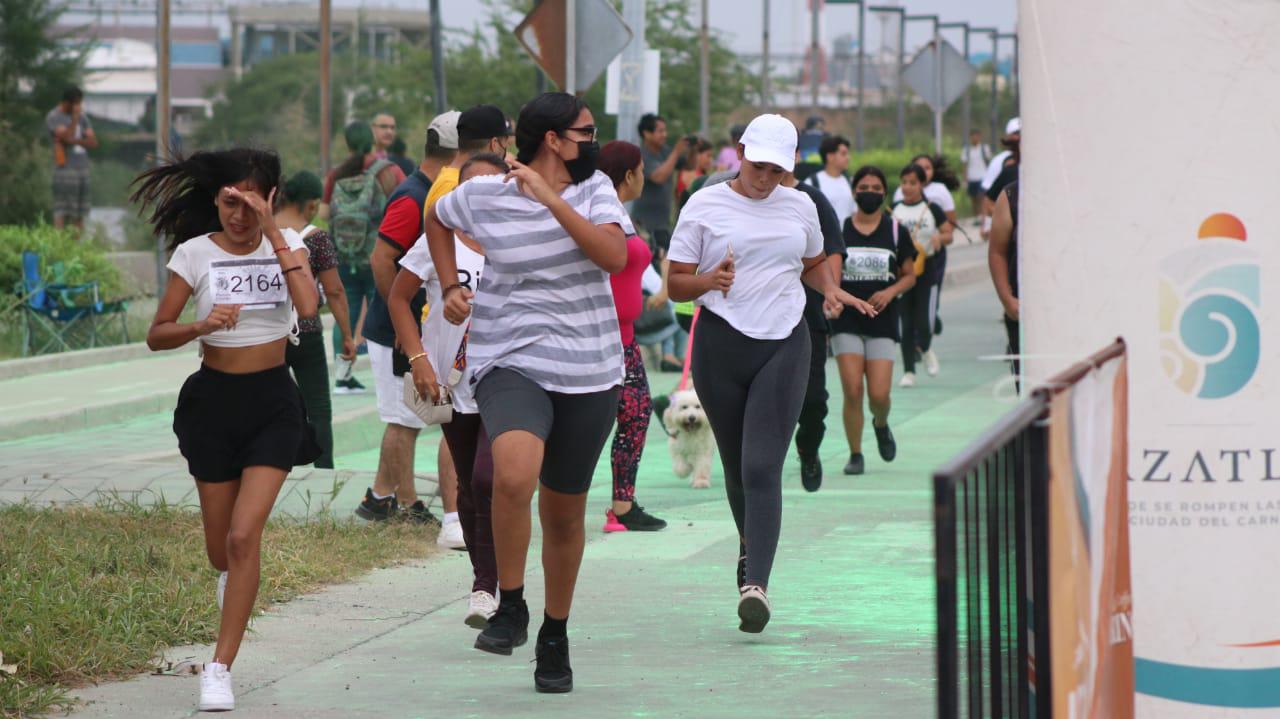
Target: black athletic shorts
226 422
573 427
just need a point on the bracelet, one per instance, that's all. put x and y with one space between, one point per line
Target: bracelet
418 356
445 292
291 269
281 249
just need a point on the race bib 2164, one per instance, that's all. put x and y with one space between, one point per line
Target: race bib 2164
254 284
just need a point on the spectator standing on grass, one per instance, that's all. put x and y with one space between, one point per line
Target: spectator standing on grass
831 180
240 419
815 131
975 156
307 359
384 134
393 493
652 209
73 137
356 194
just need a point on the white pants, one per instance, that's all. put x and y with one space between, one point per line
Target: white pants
390 389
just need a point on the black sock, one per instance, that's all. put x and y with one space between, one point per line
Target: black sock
553 628
514 595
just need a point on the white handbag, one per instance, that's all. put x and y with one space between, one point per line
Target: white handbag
430 412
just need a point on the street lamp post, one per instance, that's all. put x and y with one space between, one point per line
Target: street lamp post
937 76
764 58
994 34
965 107
1013 77
902 38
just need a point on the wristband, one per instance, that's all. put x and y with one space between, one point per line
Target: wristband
445 292
291 269
281 249
418 356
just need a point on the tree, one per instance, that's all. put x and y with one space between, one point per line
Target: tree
35 68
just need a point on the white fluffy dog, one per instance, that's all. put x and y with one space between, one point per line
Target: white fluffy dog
689 438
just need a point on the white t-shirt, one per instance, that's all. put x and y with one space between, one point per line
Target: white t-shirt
934 192
192 262
974 158
440 337
994 168
546 310
838 191
770 239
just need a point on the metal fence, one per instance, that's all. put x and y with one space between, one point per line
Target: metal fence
992 555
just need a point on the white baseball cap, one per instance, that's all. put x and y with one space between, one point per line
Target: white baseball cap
446 126
1013 127
771 138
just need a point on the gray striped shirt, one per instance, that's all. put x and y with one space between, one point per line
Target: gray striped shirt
543 308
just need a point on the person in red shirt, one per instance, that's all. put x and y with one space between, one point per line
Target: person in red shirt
622 162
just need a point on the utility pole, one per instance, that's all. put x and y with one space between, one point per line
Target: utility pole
437 59
704 76
995 88
162 116
764 55
859 130
814 49
902 41
570 46
326 87
1013 77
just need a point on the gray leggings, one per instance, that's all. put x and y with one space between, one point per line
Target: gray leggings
752 391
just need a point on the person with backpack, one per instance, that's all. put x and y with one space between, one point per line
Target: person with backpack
356 194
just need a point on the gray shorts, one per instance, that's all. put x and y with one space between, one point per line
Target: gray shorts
872 348
573 427
71 192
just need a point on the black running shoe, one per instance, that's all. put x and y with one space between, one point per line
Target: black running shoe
856 465
810 472
638 520
885 442
508 628
553 675
377 510
419 514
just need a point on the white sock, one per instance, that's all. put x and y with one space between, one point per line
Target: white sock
381 496
450 517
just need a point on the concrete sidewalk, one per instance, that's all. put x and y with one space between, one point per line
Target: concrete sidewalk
654 629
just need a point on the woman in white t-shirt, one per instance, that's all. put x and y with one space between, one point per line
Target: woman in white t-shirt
240 420
438 357
741 250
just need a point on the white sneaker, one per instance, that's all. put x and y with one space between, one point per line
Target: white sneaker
215 689
931 363
908 380
222 589
480 608
342 368
450 536
753 609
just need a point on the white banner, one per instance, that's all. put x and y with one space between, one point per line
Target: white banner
1149 211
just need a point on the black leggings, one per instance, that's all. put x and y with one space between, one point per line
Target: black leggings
752 391
918 310
473 460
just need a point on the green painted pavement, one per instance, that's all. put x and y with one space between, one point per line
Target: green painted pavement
654 629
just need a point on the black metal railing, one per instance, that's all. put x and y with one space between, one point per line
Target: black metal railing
991 544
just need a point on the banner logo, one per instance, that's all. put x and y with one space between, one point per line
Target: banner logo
1209 300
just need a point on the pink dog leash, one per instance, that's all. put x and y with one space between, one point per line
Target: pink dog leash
688 352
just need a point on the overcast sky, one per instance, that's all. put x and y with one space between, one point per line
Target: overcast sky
741 21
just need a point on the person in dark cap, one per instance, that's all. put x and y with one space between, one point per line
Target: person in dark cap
482 128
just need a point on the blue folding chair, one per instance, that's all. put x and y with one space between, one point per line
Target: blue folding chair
60 316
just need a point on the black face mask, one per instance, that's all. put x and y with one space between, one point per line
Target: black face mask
869 202
582 167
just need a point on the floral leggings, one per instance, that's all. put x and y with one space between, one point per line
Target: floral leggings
634 408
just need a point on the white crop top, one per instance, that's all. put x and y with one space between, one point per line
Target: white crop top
242 280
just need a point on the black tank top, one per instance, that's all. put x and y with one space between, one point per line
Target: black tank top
1012 192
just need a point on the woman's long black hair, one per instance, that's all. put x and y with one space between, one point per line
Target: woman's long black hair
183 191
941 171
554 111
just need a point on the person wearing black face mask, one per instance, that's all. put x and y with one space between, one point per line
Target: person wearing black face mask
546 381
879 266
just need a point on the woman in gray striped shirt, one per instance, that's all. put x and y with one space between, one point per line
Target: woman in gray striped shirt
544 350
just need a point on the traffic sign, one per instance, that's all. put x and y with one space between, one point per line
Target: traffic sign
957 76
598 28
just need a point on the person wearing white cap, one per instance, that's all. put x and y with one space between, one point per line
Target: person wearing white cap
1011 139
750 342
393 493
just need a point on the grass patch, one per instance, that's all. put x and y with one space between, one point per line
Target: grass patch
98 593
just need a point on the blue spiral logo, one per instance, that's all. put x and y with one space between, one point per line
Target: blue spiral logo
1209 297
